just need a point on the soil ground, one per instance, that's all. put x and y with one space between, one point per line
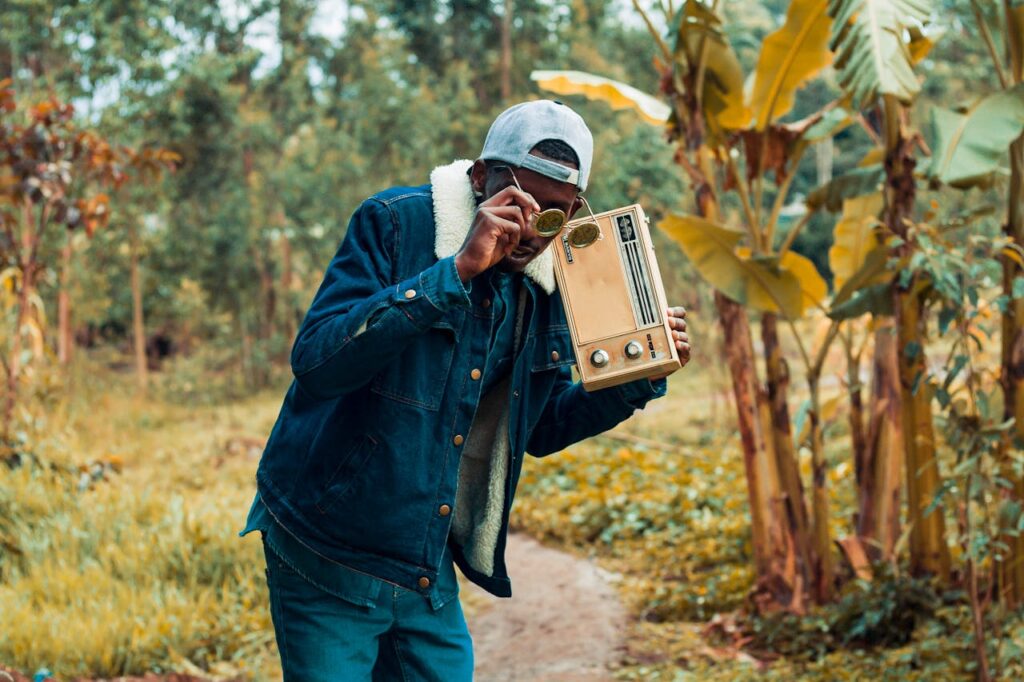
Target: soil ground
563 623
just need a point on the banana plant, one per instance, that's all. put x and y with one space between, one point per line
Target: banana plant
875 65
732 142
970 148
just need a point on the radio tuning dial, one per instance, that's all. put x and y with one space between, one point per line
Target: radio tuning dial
599 358
634 350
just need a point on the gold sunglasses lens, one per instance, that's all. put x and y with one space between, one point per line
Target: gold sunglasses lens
584 234
549 222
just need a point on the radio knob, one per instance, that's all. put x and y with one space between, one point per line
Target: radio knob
634 350
599 358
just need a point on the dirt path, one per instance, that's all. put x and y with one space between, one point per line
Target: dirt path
564 622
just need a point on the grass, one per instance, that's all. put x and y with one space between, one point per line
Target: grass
139 570
121 555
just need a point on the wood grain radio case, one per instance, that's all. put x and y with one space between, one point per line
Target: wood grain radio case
615 301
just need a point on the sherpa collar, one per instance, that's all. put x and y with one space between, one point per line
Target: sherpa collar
454 208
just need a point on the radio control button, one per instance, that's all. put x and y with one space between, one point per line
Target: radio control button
634 350
599 358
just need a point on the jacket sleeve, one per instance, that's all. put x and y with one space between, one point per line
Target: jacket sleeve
359 320
573 414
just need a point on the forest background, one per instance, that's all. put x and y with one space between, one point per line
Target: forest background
176 175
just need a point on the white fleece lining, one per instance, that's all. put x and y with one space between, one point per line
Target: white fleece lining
454 208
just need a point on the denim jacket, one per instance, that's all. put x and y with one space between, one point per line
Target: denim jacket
363 462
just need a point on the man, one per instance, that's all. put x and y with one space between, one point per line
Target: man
435 353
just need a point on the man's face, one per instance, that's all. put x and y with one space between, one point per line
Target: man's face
547 192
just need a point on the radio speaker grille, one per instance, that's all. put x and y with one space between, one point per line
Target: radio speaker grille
641 289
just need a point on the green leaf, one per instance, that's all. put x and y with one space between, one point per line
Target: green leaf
872 58
969 146
875 299
1018 287
831 122
873 271
855 183
789 57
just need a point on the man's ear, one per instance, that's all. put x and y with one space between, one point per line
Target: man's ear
478 177
577 204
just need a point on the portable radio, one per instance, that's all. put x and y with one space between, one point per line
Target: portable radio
614 299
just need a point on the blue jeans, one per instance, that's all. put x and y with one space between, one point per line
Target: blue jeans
379 632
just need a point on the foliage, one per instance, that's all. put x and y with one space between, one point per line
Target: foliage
871 56
970 144
122 553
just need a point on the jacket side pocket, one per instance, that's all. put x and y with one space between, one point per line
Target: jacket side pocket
345 474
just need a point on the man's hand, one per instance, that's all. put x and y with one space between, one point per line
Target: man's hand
677 323
497 227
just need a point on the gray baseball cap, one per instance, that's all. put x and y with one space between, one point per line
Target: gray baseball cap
519 128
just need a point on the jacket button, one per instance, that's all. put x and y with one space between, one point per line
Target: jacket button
486 303
410 293
445 510
475 374
458 439
554 355
515 394
424 582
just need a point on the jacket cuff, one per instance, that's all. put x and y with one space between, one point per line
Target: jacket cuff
637 393
434 291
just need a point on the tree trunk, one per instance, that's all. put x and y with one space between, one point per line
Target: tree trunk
856 416
506 53
879 474
138 322
778 584
822 567
286 287
928 550
777 385
1010 569
64 339
26 259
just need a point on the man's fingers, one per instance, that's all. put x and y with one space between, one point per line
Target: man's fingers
678 311
680 337
677 323
511 213
514 196
684 351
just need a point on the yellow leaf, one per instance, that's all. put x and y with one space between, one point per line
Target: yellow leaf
812 284
1007 251
702 42
854 236
921 44
874 156
613 93
756 282
790 56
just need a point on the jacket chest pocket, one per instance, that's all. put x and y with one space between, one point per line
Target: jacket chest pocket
419 374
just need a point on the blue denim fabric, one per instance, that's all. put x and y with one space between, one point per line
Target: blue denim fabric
365 451
332 576
362 629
